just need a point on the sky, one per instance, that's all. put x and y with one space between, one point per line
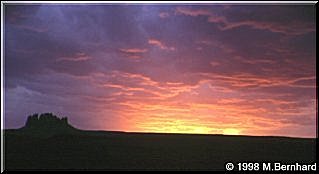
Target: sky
174 68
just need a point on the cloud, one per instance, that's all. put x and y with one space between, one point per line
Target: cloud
135 57
133 50
163 15
248 75
160 44
24 18
76 58
224 23
254 61
230 110
31 28
293 28
192 12
76 67
129 82
204 42
215 43
214 63
133 53
247 81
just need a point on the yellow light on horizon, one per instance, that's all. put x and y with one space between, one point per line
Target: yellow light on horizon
177 126
201 130
231 131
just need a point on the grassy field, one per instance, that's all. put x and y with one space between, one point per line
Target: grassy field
98 150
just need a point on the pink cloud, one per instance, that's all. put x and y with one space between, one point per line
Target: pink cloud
133 50
192 12
214 63
133 53
163 15
160 44
293 28
254 61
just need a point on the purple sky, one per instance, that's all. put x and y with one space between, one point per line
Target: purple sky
232 69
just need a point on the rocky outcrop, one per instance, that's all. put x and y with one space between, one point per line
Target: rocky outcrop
47 122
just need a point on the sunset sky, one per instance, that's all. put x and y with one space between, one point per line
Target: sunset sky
212 69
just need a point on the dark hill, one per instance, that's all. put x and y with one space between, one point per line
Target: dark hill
67 148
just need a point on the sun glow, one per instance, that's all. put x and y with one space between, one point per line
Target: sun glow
174 126
231 131
201 130
184 129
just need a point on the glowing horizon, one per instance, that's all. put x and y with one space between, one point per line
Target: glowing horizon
203 69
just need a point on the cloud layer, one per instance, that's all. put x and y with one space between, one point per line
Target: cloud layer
164 68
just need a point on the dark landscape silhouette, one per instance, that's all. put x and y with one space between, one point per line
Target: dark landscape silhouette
47 142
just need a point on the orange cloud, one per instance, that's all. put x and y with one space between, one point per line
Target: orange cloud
246 80
149 106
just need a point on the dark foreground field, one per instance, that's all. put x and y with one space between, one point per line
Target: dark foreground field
93 150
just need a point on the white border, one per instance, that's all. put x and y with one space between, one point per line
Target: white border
2 89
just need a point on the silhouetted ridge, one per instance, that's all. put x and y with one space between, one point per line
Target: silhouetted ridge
47 122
